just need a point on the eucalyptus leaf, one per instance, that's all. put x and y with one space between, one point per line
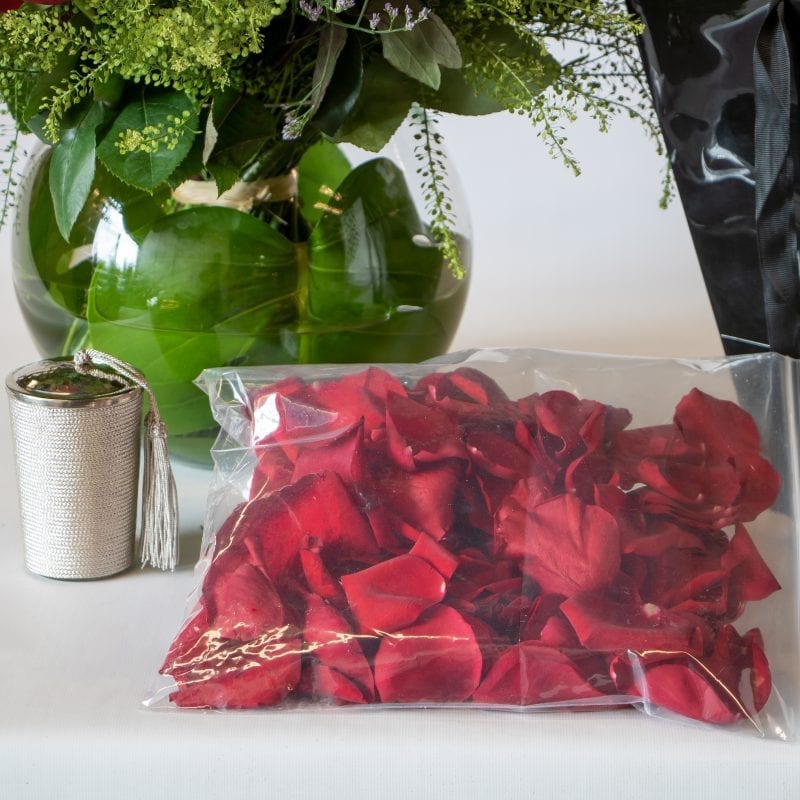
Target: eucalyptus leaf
331 43
207 282
344 89
419 52
157 110
370 253
72 166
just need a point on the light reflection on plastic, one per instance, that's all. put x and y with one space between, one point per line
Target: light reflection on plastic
266 417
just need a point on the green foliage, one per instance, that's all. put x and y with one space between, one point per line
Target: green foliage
73 165
365 258
150 137
421 51
435 191
178 291
230 89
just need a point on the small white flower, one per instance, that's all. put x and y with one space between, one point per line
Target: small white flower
374 21
311 10
292 126
391 11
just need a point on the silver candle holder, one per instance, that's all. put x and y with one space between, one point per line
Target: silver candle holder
76 426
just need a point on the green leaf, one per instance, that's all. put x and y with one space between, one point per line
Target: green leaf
157 110
206 282
47 83
110 91
456 96
506 49
243 126
65 266
371 253
419 52
344 90
331 42
320 171
385 101
72 166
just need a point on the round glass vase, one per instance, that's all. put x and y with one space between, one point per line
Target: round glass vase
357 257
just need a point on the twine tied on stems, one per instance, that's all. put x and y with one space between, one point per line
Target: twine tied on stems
242 196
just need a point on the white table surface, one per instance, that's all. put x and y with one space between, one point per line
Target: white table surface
599 268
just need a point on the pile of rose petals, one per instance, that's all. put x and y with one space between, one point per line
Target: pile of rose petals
444 543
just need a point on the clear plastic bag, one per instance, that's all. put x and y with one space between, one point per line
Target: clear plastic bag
516 529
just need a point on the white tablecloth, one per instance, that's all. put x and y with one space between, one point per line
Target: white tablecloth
595 270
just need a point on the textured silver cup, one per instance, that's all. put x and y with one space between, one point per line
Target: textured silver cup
76 441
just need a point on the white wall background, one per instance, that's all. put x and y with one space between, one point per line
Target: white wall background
588 263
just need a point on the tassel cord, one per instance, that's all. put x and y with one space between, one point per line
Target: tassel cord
159 523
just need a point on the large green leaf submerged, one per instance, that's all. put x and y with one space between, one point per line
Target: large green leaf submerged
207 281
214 286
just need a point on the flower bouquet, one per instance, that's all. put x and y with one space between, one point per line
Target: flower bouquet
514 529
217 188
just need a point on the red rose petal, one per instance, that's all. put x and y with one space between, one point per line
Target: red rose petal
749 573
720 425
190 638
359 396
531 674
441 559
273 471
464 384
705 468
288 414
566 546
243 604
330 638
688 579
318 579
342 454
546 624
684 689
760 674
476 571
436 660
661 536
238 676
423 499
392 532
327 683
392 594
499 456
213 672
604 625
512 520
318 507
419 434
568 423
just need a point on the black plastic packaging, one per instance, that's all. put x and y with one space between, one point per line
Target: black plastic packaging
723 77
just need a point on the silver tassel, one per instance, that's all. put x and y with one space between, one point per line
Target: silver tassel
159 523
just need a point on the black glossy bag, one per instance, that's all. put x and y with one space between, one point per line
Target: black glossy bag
724 80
